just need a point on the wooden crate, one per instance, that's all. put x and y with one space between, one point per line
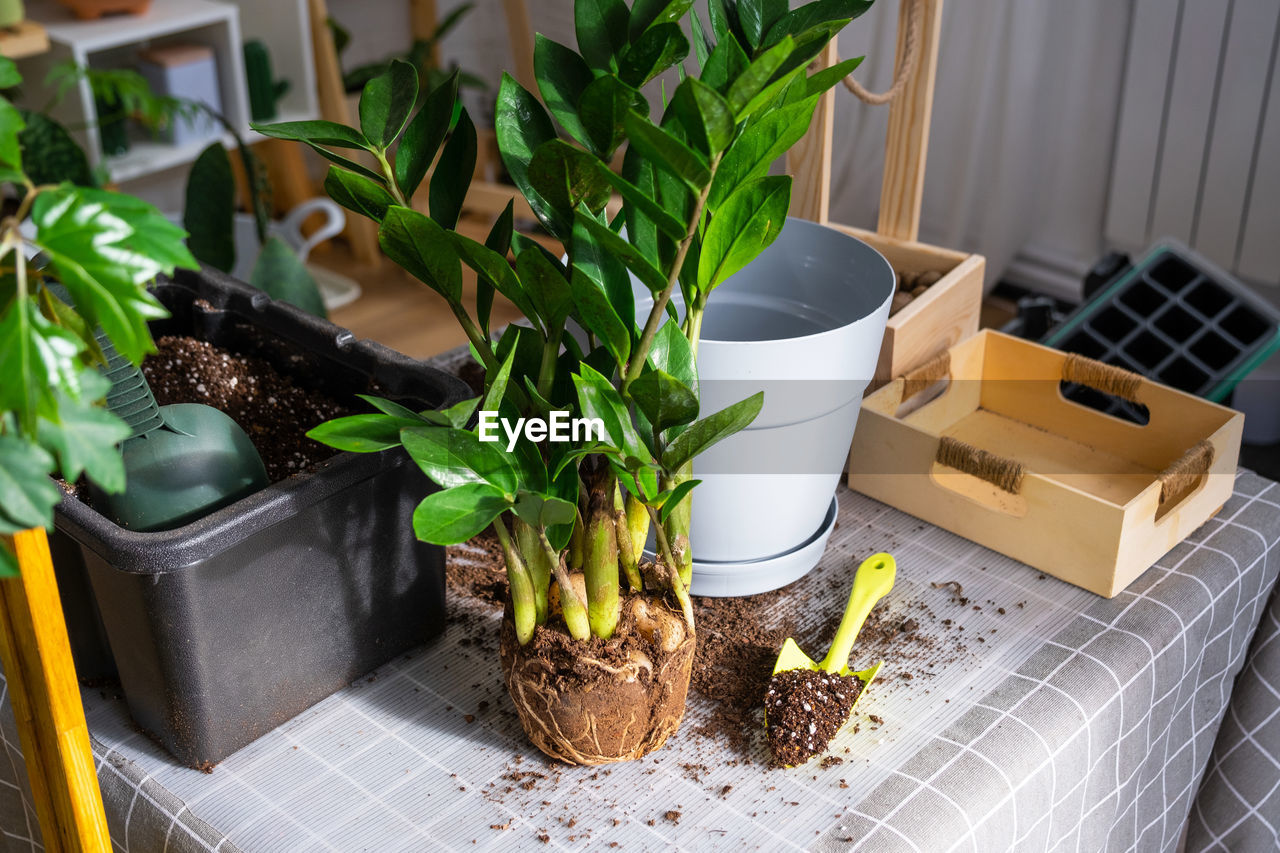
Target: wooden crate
948 311
1002 458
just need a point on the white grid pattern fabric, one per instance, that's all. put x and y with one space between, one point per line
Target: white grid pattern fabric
1082 724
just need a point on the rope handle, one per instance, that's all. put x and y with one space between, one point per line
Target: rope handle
910 56
1076 368
1186 470
1000 471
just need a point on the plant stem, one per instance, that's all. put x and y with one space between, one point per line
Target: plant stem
678 520
547 372
678 586
627 555
523 602
600 568
475 336
539 569
391 178
659 309
575 612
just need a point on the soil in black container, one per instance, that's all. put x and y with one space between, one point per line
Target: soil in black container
274 411
804 710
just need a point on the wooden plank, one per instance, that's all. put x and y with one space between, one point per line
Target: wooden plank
1142 106
42 685
809 160
23 39
422 22
1187 126
907 142
1242 89
1259 247
520 31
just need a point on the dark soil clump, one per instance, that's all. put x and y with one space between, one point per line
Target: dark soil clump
274 411
805 709
477 570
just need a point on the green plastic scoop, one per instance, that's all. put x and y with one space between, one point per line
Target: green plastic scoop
872 582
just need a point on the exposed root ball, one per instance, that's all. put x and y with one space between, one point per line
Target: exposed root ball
602 701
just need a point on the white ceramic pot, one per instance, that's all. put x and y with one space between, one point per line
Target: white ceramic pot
804 323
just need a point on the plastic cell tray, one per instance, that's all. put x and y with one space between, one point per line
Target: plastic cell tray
1175 318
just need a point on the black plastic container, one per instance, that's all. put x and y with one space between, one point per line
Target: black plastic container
225 628
1176 318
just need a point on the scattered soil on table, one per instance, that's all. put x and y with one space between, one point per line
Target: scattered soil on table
274 411
911 286
477 569
805 709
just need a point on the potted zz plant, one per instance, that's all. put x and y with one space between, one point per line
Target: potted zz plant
577 450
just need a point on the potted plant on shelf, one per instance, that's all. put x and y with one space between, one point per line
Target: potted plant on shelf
576 451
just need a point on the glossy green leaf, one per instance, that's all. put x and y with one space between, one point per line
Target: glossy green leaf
603 109
27 495
758 17
494 267
459 414
821 81
726 63
664 400
357 193
672 498
316 132
36 357
653 53
497 390
452 457
391 407
644 202
705 116
424 136
423 249
499 240
606 269
759 146
280 274
723 15
711 430
547 287
11 124
601 28
453 516
752 81
703 43
452 177
209 213
363 433
84 436
598 316
667 152
50 155
746 224
544 510
810 15
386 101
521 125
347 163
672 353
597 398
566 176
649 14
562 77
620 248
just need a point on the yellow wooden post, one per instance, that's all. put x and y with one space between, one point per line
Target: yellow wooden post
46 702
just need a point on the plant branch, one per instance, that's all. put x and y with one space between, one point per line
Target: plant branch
571 604
677 585
523 602
391 178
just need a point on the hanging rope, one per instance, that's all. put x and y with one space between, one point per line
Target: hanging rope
910 55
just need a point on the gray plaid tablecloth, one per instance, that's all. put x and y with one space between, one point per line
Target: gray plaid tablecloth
1075 724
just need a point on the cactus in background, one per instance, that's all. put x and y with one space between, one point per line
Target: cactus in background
264 90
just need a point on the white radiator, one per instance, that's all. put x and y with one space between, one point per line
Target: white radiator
1197 153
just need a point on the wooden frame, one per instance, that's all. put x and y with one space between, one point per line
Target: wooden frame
948 311
1096 499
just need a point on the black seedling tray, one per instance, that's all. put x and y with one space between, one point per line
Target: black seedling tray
1174 318
224 628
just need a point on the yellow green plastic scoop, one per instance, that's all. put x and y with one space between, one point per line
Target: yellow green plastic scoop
871 583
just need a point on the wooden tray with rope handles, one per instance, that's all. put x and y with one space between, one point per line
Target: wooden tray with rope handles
947 309
1000 457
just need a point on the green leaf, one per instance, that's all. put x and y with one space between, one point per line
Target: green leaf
648 14
597 398
703 43
36 357
654 52
748 85
495 268
616 245
10 149
423 249
425 134
821 81
667 152
565 176
84 437
562 78
453 516
711 430
724 22
316 132
453 457
758 17
386 101
748 222
546 286
280 274
347 163
521 125
209 216
459 414
760 145
705 116
664 400
672 498
543 510
725 64
453 173
27 495
499 240
357 193
9 76
812 15
643 201
598 316
601 28
603 109
8 560
606 270
49 153
672 354
498 384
